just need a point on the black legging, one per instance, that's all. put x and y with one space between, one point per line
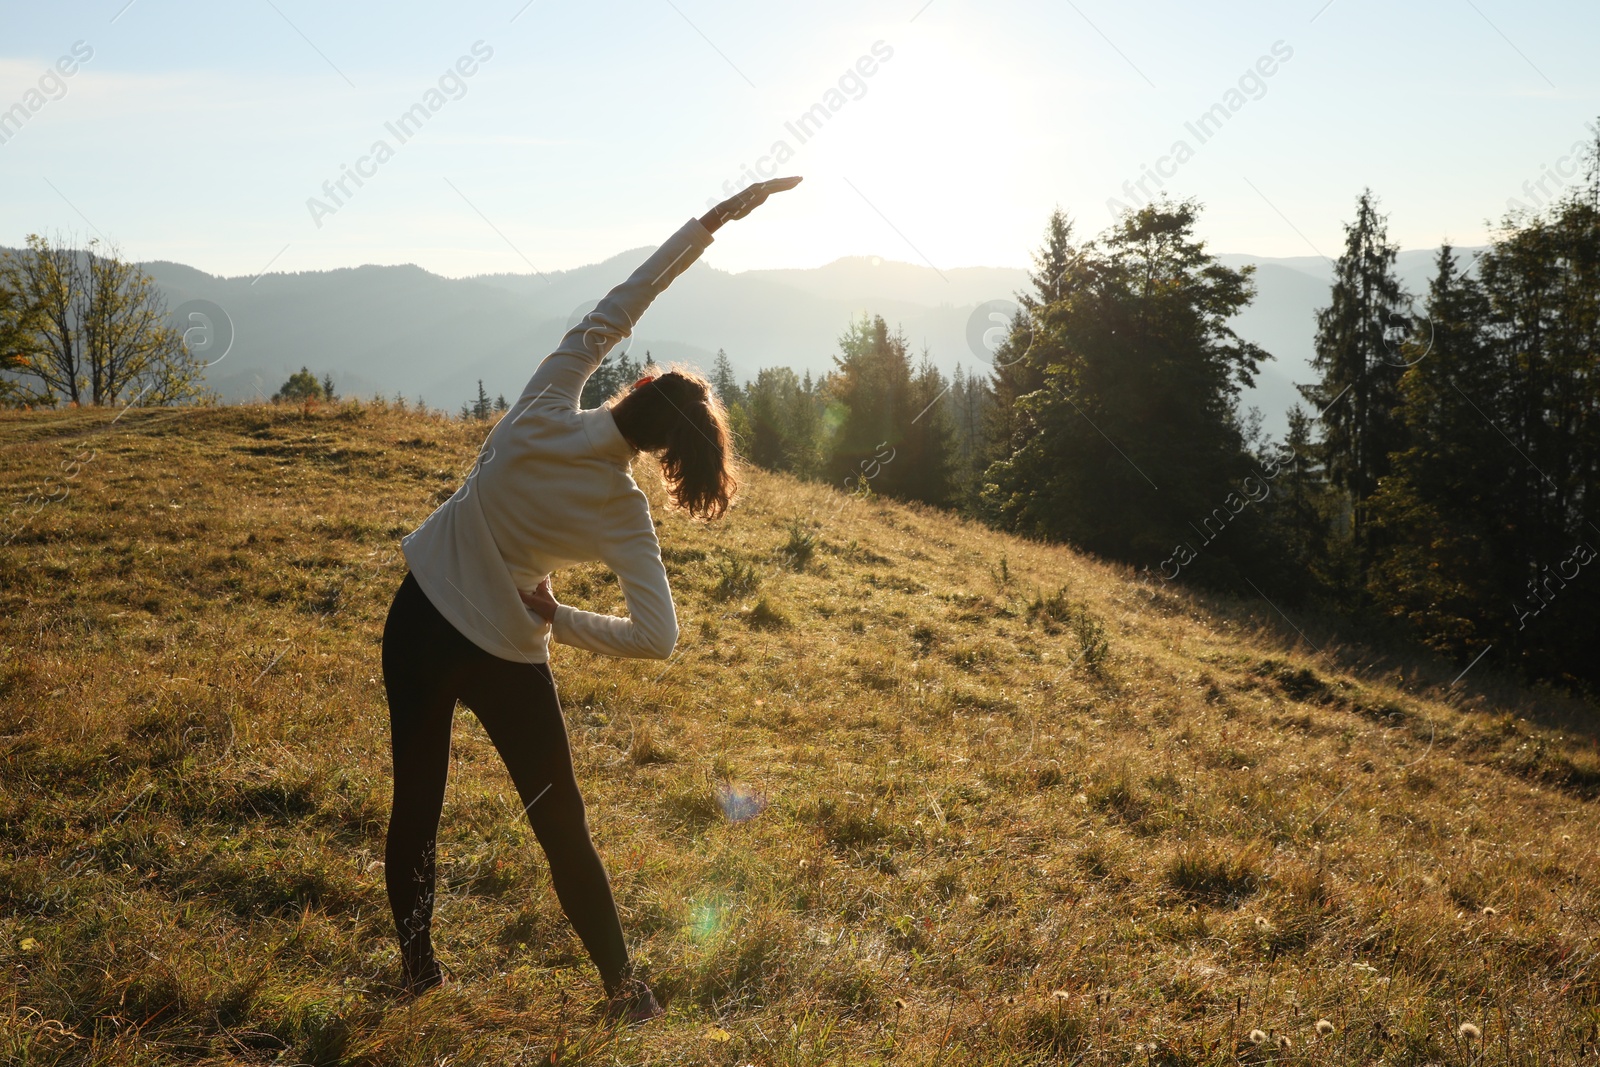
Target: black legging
427 666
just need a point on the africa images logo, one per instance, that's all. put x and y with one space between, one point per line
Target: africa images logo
996 324
1407 335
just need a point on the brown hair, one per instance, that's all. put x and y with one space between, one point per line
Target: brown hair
679 416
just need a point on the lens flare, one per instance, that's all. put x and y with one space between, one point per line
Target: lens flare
833 415
706 920
739 802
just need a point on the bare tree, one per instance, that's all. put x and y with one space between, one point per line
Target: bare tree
96 328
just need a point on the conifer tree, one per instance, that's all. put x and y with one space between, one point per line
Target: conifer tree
971 402
1300 501
769 399
723 380
1446 506
928 463
1491 543
302 385
1360 366
871 384
803 419
1136 447
1019 363
613 373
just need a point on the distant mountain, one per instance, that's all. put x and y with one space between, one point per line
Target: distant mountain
404 330
1282 319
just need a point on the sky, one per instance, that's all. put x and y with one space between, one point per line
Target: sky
546 135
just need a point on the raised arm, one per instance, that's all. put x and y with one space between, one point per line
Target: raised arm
745 201
561 376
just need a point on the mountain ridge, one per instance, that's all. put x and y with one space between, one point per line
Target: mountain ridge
400 328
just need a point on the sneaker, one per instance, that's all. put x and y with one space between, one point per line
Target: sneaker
427 977
633 1003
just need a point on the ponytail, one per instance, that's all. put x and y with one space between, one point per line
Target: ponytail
679 416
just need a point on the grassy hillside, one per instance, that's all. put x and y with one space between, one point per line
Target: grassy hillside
910 792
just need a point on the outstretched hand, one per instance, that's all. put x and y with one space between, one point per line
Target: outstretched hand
745 201
542 600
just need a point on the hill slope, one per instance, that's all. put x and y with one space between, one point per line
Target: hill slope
909 791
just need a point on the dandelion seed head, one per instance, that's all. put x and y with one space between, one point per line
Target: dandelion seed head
1258 1037
1488 910
1262 923
1324 1027
899 1004
1469 1032
1059 994
1283 1041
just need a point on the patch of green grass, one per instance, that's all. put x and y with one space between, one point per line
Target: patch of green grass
736 578
801 546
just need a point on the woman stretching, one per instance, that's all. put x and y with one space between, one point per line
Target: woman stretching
473 619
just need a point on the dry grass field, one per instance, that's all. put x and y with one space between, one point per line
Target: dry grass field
910 792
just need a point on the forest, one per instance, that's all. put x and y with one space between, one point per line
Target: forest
1435 484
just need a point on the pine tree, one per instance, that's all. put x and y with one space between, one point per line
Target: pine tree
1491 540
301 386
1019 363
871 385
1360 367
1448 505
739 429
1135 446
971 403
803 419
769 399
630 371
928 464
327 388
1300 502
482 407
880 419
1542 282
614 372
723 380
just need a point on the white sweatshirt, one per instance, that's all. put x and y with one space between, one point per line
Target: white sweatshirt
551 488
